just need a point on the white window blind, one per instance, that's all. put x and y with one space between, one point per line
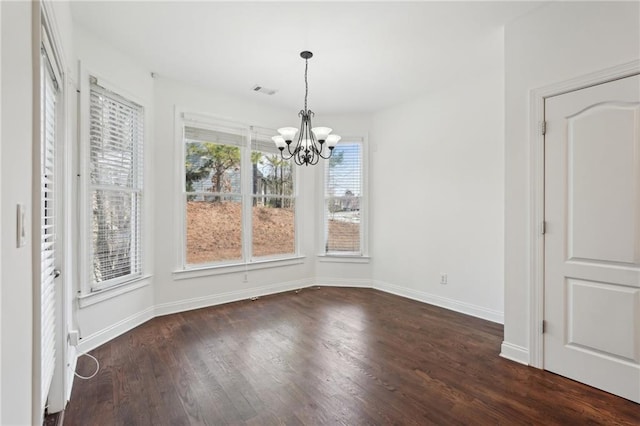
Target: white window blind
49 90
197 134
115 187
343 199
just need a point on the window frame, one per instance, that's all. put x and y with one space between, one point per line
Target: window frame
90 293
361 256
183 270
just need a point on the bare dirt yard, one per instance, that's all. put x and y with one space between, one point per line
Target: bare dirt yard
214 232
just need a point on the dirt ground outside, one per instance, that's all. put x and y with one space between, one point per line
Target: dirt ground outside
214 232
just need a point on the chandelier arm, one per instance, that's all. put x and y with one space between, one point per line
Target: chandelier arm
328 156
314 160
290 154
301 158
314 147
283 155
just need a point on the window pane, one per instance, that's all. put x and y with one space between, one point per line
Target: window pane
271 174
343 190
114 234
115 135
344 171
214 228
343 230
273 226
212 167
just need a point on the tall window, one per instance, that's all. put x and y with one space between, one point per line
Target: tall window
273 201
239 197
343 200
115 187
213 195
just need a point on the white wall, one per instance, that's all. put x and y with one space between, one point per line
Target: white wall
17 138
102 321
437 191
552 44
172 294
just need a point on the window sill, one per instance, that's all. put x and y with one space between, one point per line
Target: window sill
343 258
205 271
92 298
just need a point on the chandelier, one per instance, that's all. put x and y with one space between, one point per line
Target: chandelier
311 142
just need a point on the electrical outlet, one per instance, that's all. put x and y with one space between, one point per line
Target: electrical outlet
246 277
443 278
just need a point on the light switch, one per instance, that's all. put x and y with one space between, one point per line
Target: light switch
21 232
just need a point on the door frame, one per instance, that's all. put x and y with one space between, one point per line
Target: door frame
536 187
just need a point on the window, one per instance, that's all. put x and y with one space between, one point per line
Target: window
343 202
239 197
114 187
213 195
273 201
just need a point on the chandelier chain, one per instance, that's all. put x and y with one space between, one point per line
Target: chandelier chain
306 84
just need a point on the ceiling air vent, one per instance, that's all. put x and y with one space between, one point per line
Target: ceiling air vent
262 89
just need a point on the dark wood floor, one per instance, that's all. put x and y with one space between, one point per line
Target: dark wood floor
326 356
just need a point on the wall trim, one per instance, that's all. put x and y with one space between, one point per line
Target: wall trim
536 195
109 333
343 282
443 302
514 353
232 296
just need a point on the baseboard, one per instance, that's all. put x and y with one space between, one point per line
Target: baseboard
106 334
232 296
343 282
514 353
443 302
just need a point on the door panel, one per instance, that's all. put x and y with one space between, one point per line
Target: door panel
592 243
602 188
587 329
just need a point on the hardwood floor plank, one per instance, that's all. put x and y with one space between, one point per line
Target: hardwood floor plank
327 356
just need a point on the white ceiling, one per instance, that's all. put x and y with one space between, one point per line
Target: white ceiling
367 56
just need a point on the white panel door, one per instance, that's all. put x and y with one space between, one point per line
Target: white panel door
592 240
